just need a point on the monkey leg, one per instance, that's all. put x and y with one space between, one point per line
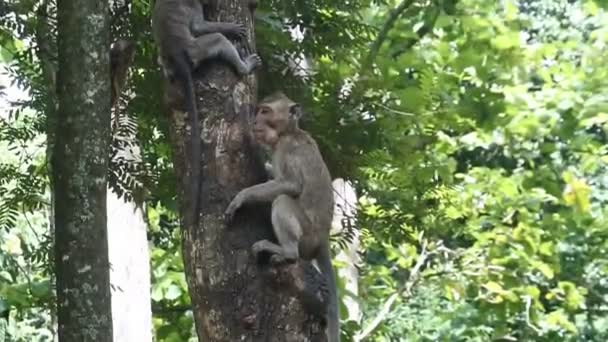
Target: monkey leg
288 222
216 45
266 246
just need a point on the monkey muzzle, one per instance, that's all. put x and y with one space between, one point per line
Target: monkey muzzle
258 134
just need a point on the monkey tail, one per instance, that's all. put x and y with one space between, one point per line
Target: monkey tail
183 73
333 317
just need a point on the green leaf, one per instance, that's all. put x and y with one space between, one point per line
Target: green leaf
506 41
557 319
545 269
493 287
157 293
173 292
41 289
576 193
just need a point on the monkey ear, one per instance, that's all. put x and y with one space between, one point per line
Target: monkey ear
295 111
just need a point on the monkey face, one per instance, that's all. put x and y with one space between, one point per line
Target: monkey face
275 116
268 125
264 129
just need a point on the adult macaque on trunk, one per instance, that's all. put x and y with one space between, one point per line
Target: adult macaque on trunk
300 193
185 39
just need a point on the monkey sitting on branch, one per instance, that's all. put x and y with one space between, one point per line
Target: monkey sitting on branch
185 39
300 192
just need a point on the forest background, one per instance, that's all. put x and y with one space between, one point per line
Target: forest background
474 132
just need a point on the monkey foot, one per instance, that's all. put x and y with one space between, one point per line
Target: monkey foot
252 62
277 259
265 246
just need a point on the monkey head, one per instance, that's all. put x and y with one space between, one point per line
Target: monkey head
121 57
275 116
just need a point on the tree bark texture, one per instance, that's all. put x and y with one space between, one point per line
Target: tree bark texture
232 294
79 169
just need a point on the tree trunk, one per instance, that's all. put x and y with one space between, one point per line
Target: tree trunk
127 227
231 294
345 211
80 163
130 271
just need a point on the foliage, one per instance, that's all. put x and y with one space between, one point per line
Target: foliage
25 296
502 169
475 131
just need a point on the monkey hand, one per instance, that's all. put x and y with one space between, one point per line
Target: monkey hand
236 30
236 203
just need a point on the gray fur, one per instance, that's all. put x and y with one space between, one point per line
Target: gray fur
184 40
300 192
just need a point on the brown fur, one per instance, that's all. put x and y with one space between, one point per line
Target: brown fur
121 57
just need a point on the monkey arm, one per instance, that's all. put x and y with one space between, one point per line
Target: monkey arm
268 191
269 170
264 192
199 27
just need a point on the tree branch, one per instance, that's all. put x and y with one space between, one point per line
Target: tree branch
405 288
427 27
383 34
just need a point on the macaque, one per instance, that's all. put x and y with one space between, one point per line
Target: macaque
300 192
185 39
121 57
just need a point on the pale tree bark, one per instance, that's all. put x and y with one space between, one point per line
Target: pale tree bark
127 239
129 271
129 261
231 294
79 170
345 210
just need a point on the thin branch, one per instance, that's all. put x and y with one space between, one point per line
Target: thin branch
426 28
29 224
528 322
383 34
405 289
395 111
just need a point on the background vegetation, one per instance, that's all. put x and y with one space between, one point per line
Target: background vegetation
475 132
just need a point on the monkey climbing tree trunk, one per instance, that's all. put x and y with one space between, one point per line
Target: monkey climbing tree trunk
231 300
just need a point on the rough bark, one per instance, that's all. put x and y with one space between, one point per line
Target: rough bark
79 169
231 294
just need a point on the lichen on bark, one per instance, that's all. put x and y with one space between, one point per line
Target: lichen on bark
79 168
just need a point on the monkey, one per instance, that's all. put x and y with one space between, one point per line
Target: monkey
122 52
300 192
269 170
185 39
